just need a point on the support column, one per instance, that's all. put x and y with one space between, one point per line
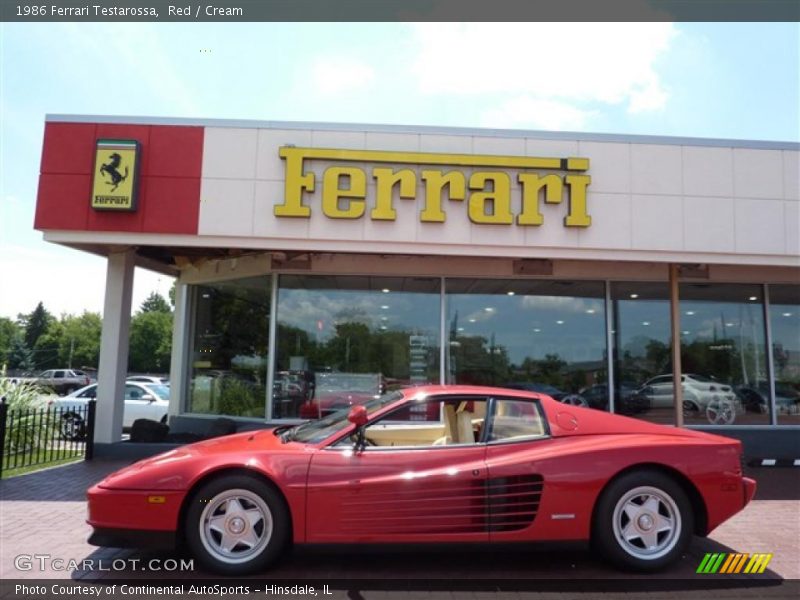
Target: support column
675 322
180 349
113 367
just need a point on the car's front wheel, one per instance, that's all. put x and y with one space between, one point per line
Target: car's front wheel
237 525
643 521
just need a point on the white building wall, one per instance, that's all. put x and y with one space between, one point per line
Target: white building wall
647 201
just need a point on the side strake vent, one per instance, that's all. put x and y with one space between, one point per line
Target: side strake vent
512 502
423 507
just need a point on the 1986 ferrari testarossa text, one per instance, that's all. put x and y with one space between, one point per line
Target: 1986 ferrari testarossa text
425 465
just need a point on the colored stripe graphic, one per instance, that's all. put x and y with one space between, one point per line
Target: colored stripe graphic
758 564
725 563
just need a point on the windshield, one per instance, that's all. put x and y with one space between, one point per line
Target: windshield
316 431
162 391
348 382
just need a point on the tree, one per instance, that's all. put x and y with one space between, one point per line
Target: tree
80 342
45 351
150 342
20 356
36 324
155 302
8 331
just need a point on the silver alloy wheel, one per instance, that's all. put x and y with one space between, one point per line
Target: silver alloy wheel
574 400
720 411
647 523
236 526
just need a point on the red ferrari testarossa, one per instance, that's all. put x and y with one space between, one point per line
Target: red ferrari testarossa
431 464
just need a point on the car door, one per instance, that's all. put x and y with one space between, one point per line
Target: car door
136 405
425 486
518 447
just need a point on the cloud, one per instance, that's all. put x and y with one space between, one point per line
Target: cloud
535 112
564 63
340 75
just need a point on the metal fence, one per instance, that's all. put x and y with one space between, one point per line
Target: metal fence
38 436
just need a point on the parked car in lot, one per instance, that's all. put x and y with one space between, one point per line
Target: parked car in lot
149 379
550 390
63 381
755 398
497 466
701 395
626 401
142 401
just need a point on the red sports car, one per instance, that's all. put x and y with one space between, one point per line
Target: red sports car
479 465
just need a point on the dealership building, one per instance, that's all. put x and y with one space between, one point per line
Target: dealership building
319 264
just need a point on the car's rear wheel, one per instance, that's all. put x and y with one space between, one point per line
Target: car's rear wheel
237 525
643 521
72 427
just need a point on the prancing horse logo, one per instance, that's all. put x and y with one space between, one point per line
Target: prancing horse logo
111 169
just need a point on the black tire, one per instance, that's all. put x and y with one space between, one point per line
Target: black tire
214 501
612 525
72 427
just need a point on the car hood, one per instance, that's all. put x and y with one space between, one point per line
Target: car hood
177 469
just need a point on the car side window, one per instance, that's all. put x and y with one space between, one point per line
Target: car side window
132 392
433 423
516 419
59 375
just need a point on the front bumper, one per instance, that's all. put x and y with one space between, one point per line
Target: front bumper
132 538
115 510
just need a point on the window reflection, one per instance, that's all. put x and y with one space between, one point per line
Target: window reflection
343 340
642 351
723 353
229 347
784 317
544 336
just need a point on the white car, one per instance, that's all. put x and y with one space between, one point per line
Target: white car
700 394
148 379
142 401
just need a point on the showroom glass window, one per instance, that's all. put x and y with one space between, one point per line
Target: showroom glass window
342 340
640 336
723 354
546 336
229 344
784 317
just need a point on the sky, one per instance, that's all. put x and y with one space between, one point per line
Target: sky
716 80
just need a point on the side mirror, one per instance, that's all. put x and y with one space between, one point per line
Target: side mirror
357 416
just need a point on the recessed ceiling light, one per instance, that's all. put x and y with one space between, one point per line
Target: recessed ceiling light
489 309
509 293
536 330
385 290
559 322
645 322
729 324
460 329
753 298
384 327
385 306
686 332
690 312
634 296
590 311
471 320
384 318
787 314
